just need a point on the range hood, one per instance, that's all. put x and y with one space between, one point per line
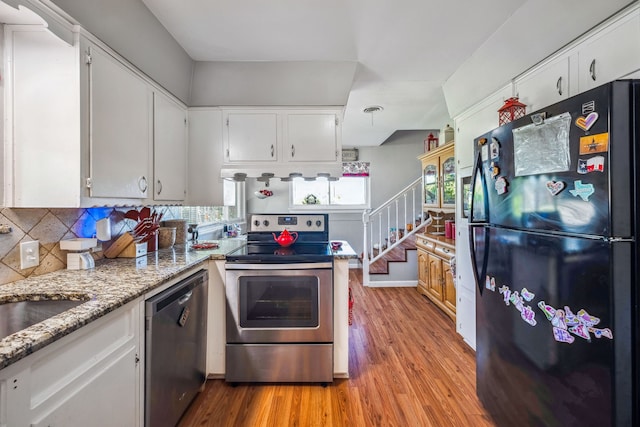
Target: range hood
239 172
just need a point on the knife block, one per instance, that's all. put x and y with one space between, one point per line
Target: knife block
134 250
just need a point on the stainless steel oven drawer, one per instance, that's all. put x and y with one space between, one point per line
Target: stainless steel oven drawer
279 363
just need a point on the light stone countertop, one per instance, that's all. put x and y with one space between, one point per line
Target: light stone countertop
108 286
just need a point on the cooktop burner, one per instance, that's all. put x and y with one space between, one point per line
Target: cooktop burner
274 253
310 231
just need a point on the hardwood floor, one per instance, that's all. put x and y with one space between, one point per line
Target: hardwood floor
407 367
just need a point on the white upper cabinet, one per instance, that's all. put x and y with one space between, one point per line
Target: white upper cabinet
204 185
281 141
544 85
251 136
311 137
80 126
611 53
169 149
119 127
476 121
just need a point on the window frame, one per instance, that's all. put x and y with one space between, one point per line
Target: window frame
333 207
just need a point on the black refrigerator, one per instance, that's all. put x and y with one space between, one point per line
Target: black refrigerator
554 244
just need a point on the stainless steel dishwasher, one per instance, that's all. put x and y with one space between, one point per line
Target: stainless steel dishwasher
176 337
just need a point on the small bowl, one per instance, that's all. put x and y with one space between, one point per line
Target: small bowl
336 246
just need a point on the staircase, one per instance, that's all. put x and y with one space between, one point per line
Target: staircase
397 254
384 243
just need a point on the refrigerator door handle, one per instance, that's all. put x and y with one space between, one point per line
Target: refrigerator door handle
478 174
477 274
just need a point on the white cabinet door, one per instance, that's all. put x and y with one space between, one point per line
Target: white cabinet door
545 85
311 137
251 136
204 185
169 149
466 316
610 54
480 120
107 398
120 128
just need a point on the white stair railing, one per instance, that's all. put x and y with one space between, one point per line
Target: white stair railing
390 224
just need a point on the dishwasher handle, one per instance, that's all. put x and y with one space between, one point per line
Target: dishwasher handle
186 297
179 293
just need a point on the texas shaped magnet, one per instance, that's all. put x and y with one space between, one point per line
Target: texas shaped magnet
584 191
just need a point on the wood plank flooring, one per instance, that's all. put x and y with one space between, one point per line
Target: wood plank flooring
407 367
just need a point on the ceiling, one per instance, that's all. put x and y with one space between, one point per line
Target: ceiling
403 51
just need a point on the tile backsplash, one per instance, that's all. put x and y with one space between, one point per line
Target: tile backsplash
49 226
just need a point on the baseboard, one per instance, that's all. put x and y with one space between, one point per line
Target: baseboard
393 284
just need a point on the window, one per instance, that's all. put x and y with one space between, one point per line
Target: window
343 194
234 209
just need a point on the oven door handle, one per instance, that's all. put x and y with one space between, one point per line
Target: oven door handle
292 266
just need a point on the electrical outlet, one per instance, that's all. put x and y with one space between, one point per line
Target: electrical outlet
29 254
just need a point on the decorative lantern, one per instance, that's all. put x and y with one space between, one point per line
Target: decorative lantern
511 110
430 143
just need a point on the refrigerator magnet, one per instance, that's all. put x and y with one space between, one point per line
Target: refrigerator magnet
561 335
529 316
584 191
580 331
585 123
490 283
588 107
555 187
548 311
495 170
501 185
527 295
506 294
484 151
593 164
570 318
599 333
558 320
591 144
586 319
495 148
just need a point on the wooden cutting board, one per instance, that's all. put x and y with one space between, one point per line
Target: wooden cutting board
119 245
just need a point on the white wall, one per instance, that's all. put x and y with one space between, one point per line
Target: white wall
272 83
133 31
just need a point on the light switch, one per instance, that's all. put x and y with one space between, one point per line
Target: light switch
29 254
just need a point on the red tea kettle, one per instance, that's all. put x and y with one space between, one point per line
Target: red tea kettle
285 238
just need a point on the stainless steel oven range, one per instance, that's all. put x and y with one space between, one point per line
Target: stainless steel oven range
279 320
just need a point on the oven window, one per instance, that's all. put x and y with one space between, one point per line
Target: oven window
279 301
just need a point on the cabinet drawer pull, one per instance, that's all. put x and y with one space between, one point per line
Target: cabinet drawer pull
142 184
592 70
293 151
159 187
559 85
271 150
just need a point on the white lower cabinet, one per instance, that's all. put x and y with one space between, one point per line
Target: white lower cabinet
92 377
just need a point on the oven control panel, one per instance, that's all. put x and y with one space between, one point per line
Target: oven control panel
299 223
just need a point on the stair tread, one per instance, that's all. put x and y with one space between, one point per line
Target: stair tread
397 254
